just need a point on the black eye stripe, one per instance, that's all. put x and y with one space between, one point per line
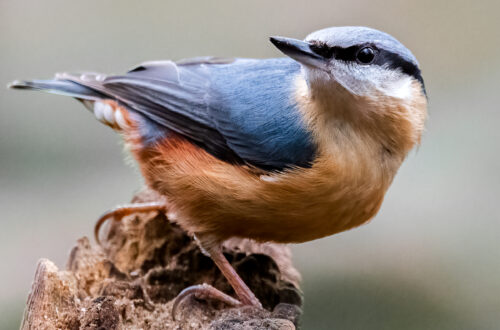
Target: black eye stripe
383 57
322 50
346 54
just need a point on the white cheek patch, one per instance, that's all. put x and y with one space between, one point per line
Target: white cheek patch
364 80
400 89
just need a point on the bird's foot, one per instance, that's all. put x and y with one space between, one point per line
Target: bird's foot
203 291
121 211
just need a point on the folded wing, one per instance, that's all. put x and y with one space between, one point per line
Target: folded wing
239 110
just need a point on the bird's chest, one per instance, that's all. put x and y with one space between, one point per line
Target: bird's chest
212 196
329 200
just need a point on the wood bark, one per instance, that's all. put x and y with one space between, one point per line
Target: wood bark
130 281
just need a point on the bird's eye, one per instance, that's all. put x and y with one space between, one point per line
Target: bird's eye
365 55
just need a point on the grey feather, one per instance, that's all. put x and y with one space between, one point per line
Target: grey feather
61 87
239 110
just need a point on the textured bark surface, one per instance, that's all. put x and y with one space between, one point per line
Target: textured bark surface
144 262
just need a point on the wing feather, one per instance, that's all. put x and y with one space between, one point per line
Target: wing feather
240 110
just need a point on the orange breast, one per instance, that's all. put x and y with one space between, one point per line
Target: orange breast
209 196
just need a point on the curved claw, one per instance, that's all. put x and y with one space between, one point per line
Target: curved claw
122 211
203 291
97 227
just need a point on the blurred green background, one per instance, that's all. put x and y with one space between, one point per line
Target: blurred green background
429 260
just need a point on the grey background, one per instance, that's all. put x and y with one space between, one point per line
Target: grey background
431 257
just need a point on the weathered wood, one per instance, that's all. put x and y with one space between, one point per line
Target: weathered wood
144 262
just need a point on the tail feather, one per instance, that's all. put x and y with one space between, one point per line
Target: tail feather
61 87
102 106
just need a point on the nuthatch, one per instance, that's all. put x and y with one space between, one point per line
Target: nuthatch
283 149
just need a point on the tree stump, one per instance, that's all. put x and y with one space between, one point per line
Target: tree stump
130 281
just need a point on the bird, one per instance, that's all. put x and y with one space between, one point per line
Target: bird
287 149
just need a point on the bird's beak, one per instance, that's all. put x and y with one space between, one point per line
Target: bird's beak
299 50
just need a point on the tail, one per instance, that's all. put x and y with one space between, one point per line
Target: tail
61 87
116 117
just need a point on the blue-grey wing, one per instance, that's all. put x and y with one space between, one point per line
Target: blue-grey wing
257 112
239 110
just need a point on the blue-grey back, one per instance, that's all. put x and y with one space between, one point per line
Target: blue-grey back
240 110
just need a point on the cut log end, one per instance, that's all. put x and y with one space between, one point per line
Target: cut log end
143 264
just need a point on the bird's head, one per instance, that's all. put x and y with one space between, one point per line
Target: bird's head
362 73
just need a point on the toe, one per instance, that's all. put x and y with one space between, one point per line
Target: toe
203 291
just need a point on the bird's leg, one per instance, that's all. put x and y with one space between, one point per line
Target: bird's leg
121 211
203 291
243 292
